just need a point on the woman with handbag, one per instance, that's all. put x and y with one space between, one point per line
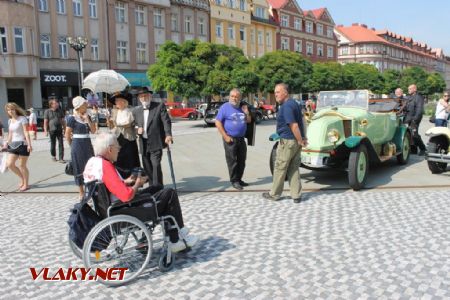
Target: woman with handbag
124 123
18 143
77 135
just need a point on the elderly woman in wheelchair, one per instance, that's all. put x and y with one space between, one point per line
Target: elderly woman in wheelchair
129 216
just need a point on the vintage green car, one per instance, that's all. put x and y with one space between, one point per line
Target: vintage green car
351 131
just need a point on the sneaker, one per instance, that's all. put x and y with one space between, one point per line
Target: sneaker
243 183
177 247
62 161
237 186
191 240
183 233
268 196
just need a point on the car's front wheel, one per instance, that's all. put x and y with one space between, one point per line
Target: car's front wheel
403 157
434 146
358 167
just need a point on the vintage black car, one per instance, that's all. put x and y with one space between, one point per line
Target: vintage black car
213 108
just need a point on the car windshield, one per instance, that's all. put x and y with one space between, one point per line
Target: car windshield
357 98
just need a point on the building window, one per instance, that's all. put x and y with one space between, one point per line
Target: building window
18 39
3 40
320 50
93 9
77 11
284 43
252 36
231 3
201 26
298 24
187 24
94 49
231 31
174 22
62 46
309 48
242 5
219 2
45 46
122 51
284 21
268 39
298 46
329 32
242 33
157 18
319 29
141 53
260 38
219 29
309 27
330 52
43 5
139 14
61 6
260 13
120 12
344 50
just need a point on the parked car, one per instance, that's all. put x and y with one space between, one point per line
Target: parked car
213 108
438 149
176 110
202 110
351 131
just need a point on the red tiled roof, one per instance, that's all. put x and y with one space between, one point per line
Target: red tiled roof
318 12
277 4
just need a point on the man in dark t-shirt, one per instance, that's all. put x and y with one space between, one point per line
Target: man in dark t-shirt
291 129
54 125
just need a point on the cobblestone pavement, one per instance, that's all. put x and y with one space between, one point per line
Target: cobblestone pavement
378 245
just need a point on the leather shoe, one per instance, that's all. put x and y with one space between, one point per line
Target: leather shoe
237 186
267 196
297 200
243 183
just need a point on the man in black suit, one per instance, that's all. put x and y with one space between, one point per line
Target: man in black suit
414 112
155 130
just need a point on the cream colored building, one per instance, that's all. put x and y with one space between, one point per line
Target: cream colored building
263 30
19 55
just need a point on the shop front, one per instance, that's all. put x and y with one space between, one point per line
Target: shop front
59 85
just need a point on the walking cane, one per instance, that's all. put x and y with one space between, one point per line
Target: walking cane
169 158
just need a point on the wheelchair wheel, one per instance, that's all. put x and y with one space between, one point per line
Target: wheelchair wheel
118 242
165 265
77 251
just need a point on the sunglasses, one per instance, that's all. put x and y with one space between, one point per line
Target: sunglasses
445 95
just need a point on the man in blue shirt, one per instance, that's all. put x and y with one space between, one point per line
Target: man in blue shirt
291 129
231 121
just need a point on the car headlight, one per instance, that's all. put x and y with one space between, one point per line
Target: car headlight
333 136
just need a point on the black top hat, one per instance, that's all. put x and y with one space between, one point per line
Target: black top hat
123 95
145 90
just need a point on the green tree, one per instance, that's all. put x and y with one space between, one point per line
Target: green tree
283 66
327 77
391 80
364 76
414 75
434 84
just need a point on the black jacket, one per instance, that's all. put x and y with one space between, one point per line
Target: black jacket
414 109
159 125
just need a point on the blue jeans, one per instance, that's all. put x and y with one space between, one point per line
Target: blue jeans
440 123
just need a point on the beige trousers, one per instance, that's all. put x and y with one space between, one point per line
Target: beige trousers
287 164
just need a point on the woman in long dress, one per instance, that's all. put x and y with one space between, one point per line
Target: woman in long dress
124 128
79 125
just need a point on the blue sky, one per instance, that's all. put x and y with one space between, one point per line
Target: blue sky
426 21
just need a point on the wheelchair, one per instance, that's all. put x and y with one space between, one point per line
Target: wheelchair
123 238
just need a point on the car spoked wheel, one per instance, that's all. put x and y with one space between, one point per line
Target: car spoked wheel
403 157
358 167
435 146
192 117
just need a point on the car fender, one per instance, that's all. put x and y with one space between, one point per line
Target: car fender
399 134
352 142
437 131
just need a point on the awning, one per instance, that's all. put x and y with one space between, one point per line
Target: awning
137 79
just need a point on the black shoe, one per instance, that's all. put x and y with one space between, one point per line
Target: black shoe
243 183
422 152
237 186
267 196
297 200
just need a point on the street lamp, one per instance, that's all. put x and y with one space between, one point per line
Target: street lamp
78 44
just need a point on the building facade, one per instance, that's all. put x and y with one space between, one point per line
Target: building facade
263 30
308 32
384 49
19 55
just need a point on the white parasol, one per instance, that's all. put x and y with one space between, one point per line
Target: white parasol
106 81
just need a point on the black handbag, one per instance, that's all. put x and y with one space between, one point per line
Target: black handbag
69 168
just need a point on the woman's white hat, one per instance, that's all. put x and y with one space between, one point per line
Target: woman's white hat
78 101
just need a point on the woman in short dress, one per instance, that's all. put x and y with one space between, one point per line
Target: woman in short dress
18 143
77 135
123 122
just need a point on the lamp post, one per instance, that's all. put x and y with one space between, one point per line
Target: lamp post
78 44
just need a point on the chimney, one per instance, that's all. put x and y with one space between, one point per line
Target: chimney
355 24
373 29
364 25
339 26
